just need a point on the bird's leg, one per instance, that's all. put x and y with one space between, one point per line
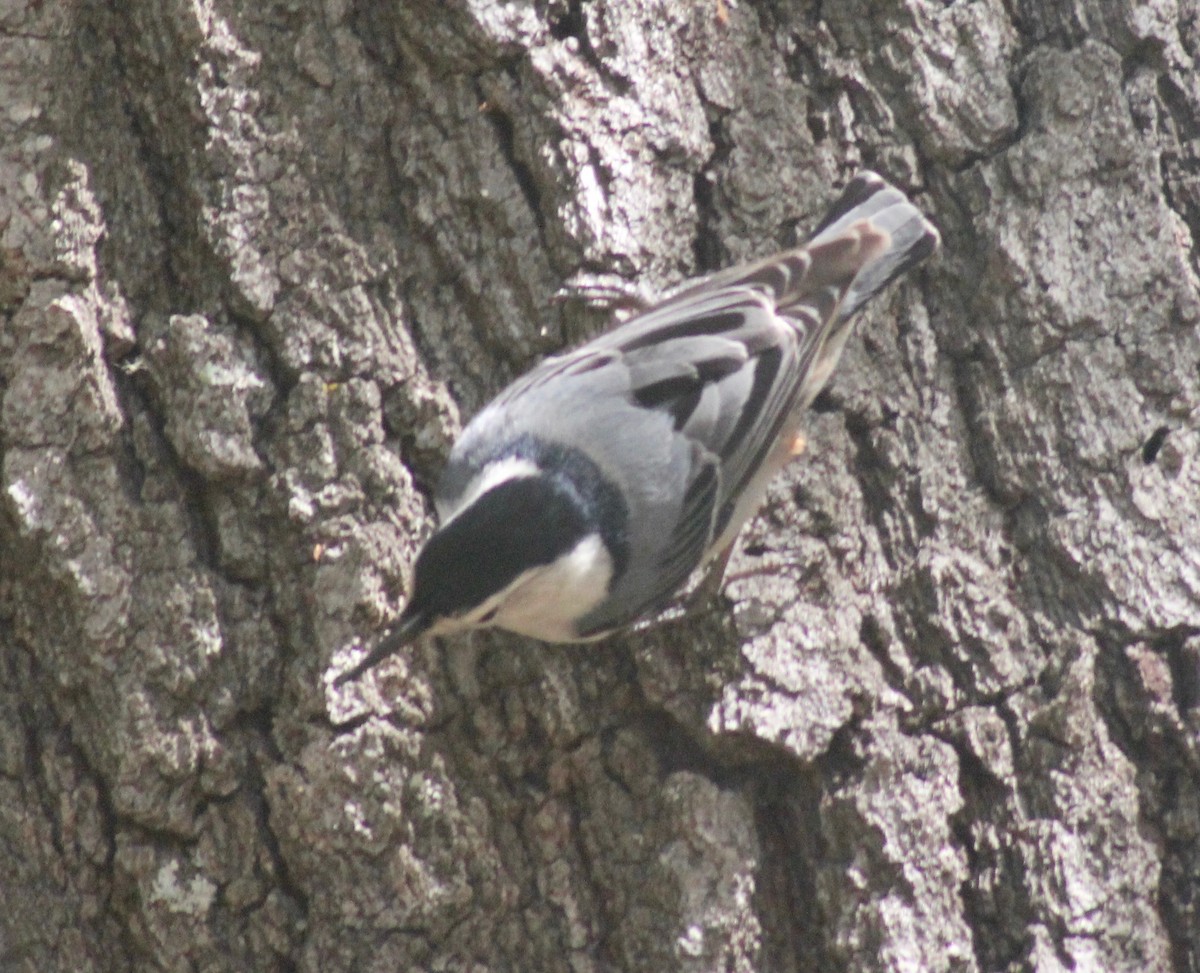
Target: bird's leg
710 584
699 599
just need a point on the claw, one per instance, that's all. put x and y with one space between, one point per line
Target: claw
604 292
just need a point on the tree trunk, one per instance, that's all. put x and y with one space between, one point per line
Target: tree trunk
255 259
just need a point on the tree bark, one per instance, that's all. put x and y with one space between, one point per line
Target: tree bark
256 260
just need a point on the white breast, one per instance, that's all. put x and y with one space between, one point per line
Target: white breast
545 603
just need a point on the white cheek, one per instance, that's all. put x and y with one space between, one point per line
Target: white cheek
547 602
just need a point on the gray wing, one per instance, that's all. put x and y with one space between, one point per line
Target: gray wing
727 362
725 370
728 370
727 359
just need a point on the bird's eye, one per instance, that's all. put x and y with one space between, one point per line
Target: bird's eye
489 616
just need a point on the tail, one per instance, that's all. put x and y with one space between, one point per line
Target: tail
913 238
882 235
870 236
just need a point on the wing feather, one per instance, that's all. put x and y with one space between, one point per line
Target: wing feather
729 360
728 365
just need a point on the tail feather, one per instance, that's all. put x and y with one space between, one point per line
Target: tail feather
913 238
907 239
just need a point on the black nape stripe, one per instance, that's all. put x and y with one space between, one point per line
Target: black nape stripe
577 476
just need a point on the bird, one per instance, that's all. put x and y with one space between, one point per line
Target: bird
583 497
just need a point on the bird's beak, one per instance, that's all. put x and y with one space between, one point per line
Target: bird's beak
408 629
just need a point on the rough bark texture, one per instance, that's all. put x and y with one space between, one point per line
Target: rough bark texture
254 259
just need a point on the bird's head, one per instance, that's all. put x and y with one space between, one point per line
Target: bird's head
478 567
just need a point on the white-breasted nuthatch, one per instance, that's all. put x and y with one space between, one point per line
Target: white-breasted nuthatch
587 492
